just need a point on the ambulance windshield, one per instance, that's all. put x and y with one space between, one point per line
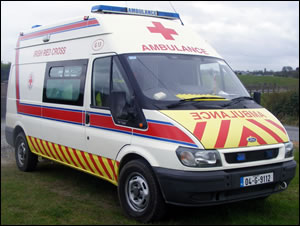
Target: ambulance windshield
170 77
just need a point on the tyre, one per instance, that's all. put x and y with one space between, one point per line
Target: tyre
139 193
25 159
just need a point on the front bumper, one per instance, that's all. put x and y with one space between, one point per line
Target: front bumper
189 188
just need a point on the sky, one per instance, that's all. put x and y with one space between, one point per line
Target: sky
248 35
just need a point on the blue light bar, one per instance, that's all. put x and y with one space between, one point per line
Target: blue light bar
107 8
34 26
133 11
168 14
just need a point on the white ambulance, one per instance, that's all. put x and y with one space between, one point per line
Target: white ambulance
136 98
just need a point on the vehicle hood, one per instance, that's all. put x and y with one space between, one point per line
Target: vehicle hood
231 128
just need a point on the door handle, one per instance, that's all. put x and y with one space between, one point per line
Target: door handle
87 118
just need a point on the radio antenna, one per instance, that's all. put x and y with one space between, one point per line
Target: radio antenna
176 12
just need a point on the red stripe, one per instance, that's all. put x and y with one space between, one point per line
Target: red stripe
71 157
165 131
28 109
92 22
86 161
103 166
223 133
106 122
65 115
112 167
154 129
59 147
55 150
199 130
75 153
274 135
91 157
276 125
249 133
60 29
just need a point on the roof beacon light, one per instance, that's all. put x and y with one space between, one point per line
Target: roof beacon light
134 11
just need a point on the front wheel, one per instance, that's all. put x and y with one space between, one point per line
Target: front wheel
25 159
139 193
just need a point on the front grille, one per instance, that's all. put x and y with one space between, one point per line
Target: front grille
251 156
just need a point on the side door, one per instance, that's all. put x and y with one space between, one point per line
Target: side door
63 129
104 136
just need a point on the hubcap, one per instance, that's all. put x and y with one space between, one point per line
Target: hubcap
137 192
21 153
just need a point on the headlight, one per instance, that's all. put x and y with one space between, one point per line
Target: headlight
198 158
289 149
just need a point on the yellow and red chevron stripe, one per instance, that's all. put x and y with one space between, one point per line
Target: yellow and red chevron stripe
231 128
102 167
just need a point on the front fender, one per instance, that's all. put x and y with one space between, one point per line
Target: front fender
133 149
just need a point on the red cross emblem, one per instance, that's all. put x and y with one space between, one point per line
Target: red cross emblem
159 28
30 81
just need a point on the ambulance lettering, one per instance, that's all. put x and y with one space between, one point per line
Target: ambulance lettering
175 48
231 128
222 114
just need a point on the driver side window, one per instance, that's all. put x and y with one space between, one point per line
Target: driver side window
118 80
108 76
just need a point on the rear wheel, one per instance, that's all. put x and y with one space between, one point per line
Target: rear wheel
25 159
139 193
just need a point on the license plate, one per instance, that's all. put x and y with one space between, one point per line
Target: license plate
256 179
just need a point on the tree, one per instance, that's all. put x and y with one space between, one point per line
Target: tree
287 69
5 68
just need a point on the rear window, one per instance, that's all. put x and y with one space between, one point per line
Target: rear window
64 82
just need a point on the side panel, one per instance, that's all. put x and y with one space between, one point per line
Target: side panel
27 85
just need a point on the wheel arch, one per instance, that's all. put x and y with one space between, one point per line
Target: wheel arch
130 152
16 131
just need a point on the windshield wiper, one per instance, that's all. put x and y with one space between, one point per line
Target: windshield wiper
193 99
237 100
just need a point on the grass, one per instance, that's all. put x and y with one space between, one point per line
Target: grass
55 194
291 83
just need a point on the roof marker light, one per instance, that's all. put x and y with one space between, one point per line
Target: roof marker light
35 26
133 11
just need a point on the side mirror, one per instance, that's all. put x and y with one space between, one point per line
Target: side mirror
257 97
118 105
125 114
